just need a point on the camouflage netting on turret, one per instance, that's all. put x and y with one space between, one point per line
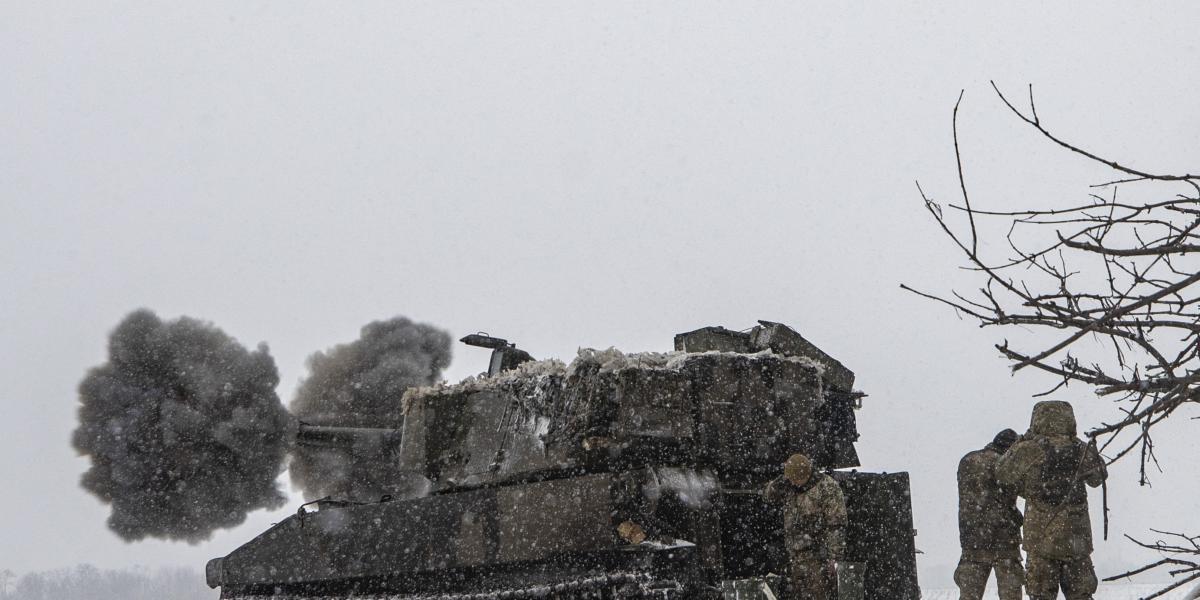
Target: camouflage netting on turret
735 410
537 381
608 373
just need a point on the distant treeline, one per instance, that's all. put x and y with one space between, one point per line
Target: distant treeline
86 582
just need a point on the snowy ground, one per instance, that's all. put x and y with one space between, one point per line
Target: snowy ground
1107 591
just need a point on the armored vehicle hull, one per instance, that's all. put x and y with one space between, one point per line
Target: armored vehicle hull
619 476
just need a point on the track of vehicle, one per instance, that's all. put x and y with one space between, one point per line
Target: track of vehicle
609 586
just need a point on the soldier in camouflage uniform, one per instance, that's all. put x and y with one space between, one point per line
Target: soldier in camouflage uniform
989 524
1049 467
814 523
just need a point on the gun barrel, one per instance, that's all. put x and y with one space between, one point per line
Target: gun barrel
328 436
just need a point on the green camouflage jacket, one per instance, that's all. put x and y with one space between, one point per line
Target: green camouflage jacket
1049 467
988 518
814 517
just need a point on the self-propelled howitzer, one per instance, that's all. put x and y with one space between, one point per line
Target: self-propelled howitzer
617 476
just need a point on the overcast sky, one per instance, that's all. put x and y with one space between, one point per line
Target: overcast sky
560 174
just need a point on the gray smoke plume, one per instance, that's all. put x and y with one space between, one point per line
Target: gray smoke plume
184 429
360 384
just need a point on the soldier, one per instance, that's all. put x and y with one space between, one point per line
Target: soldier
1049 466
989 524
814 524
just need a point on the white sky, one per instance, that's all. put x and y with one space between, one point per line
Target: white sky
562 174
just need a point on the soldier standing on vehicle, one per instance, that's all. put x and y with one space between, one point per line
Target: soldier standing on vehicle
989 524
1049 467
814 524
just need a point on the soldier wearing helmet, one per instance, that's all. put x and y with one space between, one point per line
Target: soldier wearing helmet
1049 467
814 524
989 524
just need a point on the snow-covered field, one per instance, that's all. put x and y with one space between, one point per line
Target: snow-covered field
1107 591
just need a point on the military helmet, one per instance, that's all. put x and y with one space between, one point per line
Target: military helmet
798 469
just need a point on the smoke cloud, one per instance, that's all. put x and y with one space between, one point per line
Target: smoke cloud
361 384
183 427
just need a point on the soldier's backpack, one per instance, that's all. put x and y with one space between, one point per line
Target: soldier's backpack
1060 478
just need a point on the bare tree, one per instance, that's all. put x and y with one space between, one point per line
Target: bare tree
1113 279
7 577
85 582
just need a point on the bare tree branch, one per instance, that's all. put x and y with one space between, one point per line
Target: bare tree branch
1121 277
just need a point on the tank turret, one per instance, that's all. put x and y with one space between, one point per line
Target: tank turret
615 476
